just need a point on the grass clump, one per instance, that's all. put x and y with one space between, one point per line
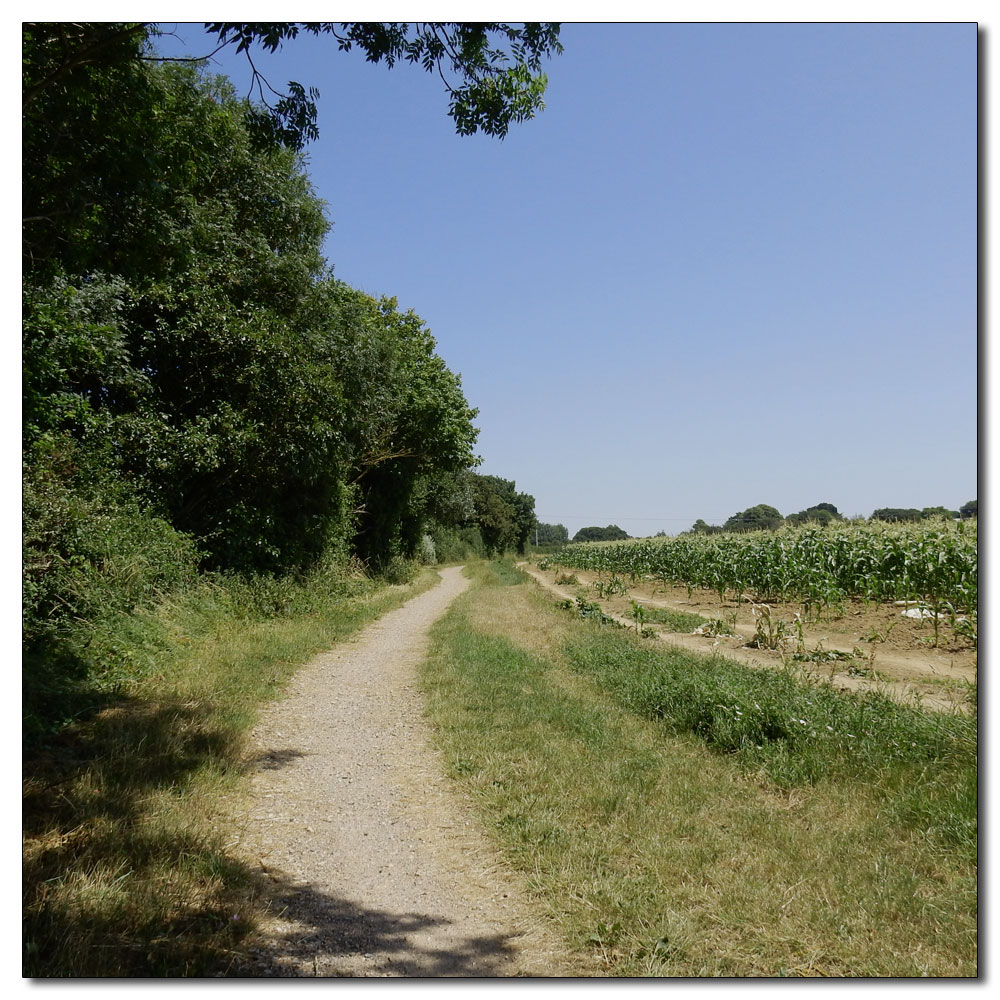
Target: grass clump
504 573
673 621
791 729
589 611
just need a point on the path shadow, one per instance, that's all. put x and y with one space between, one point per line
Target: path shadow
324 931
275 760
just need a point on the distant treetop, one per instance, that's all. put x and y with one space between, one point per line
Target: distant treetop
550 534
912 514
756 518
821 513
612 533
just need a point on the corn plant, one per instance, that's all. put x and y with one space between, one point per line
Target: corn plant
638 615
770 633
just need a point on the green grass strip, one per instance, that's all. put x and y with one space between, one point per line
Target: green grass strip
673 621
790 730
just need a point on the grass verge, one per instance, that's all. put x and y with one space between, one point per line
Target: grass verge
126 873
669 836
671 620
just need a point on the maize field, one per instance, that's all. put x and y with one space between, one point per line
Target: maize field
936 563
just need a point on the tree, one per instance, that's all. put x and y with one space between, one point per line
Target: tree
86 95
612 533
256 402
183 333
821 513
969 509
550 534
930 512
203 388
446 498
701 528
505 518
411 422
87 98
896 514
756 518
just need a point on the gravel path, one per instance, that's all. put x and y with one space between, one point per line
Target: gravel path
373 863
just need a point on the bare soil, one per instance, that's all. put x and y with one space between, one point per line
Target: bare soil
890 652
371 862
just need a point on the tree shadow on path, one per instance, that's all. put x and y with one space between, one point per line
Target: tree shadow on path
329 936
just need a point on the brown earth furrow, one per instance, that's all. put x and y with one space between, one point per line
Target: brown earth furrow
904 673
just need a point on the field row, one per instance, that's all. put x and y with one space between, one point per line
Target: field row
936 563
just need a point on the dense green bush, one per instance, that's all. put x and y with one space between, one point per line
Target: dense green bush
89 549
92 558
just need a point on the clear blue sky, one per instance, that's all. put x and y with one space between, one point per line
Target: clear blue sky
729 264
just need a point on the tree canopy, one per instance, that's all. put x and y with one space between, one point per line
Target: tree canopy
199 391
700 527
550 534
820 513
896 514
504 516
183 333
756 518
491 71
612 533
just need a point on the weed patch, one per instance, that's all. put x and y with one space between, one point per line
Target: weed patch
792 730
589 611
673 621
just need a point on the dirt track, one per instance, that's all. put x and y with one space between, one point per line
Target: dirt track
906 675
371 862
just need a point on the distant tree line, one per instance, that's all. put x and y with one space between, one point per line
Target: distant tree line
761 517
764 517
